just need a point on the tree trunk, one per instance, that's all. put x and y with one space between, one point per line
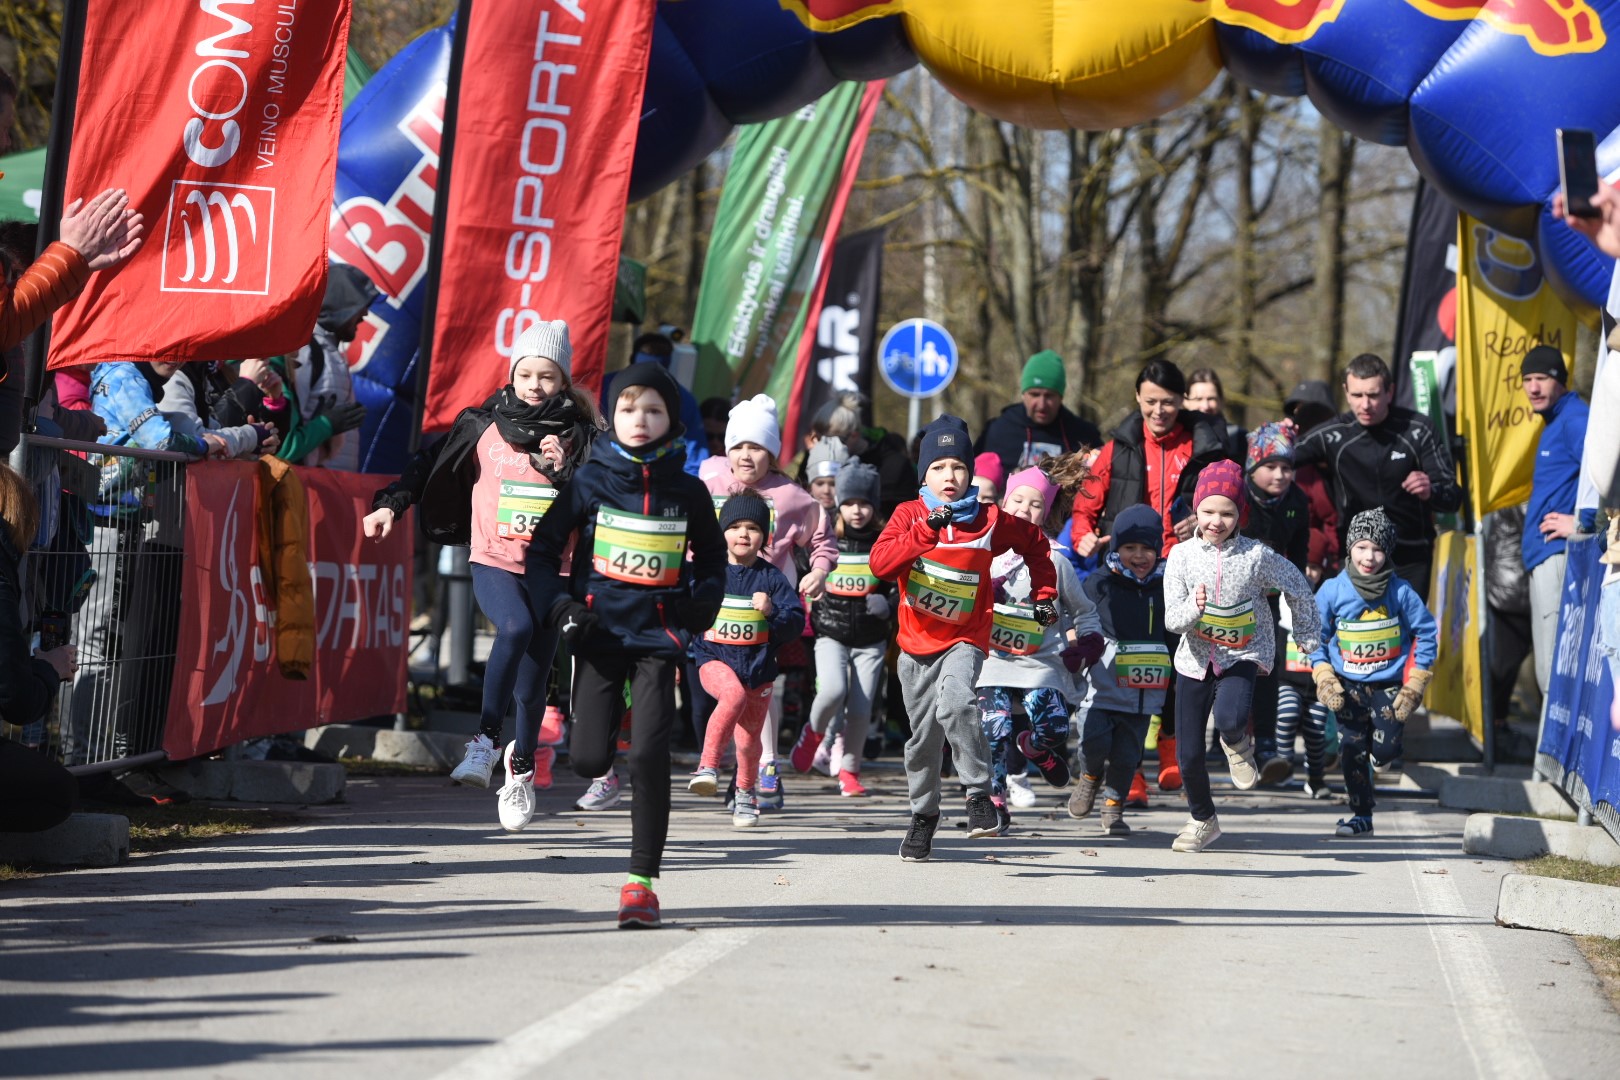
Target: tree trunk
1335 163
1251 114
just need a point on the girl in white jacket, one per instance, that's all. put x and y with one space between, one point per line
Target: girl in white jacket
1215 588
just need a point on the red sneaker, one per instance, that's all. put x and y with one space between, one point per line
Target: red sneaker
849 785
1138 795
551 726
1169 770
804 751
638 908
544 758
624 732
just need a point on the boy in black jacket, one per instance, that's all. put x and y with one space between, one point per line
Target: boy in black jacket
629 600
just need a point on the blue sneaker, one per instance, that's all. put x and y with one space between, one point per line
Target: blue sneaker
1360 825
769 793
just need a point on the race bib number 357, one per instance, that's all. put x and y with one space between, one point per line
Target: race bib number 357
638 550
1142 665
521 507
942 591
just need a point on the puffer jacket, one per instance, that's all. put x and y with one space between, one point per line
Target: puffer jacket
1236 576
1131 611
284 555
754 662
843 615
643 589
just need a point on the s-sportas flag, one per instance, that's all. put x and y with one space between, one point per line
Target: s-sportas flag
220 118
539 172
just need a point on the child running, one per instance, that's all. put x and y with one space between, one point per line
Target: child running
1129 686
1374 627
488 484
852 621
1036 662
736 657
1215 597
631 592
939 547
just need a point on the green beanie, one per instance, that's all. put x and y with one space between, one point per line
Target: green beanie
1044 371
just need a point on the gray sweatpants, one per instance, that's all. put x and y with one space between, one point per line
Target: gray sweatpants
1546 591
944 706
846 682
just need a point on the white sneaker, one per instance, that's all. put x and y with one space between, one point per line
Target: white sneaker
475 768
603 794
516 800
1240 760
828 756
1197 835
1019 793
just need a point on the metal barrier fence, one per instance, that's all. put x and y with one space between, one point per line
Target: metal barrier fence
105 576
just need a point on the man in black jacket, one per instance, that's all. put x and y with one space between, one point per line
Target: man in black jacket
1381 455
1038 424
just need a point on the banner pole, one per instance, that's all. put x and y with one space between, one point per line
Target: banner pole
441 211
63 102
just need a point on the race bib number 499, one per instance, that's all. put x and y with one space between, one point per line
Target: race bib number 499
638 550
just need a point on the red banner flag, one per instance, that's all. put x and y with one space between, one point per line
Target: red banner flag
539 177
228 685
220 118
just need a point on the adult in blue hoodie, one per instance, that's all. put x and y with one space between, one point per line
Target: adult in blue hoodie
632 513
1551 518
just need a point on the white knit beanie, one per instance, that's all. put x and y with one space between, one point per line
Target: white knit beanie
754 421
547 340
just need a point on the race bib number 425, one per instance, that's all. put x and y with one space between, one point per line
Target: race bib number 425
1373 641
942 591
638 550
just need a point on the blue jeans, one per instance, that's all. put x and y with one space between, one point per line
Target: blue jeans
1048 724
519 660
1111 748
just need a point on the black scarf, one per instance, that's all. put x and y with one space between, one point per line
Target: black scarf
1370 587
524 425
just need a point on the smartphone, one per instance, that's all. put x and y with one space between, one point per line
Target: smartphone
1577 171
54 629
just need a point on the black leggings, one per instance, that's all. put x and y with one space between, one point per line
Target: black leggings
1230 694
599 678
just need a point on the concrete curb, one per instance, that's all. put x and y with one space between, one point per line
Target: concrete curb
342 740
81 840
1529 838
1564 907
432 749
1497 795
299 782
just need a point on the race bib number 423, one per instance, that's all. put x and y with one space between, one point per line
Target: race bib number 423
942 591
638 550
1232 627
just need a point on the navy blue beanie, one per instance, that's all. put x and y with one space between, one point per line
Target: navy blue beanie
1139 524
746 506
946 437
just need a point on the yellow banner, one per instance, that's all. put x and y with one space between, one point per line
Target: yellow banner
1505 307
1457 691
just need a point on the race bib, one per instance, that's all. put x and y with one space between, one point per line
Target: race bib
853 577
739 623
1294 661
1142 665
1374 641
638 550
521 507
1231 627
1013 629
942 591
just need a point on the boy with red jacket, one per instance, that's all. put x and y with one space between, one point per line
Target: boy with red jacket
939 549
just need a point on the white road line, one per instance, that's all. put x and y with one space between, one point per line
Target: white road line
524 1053
1490 1027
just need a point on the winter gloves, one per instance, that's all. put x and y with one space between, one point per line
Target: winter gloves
574 621
1084 652
1329 690
1045 612
877 605
1410 696
939 517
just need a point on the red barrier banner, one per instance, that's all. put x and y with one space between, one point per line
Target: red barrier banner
220 118
539 176
227 683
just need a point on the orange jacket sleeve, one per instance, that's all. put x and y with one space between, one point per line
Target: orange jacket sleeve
55 278
1093 494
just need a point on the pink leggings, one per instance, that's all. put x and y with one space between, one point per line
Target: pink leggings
737 709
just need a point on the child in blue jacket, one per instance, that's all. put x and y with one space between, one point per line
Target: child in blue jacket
632 513
736 657
1372 622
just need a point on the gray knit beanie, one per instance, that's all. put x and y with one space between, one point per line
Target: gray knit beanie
548 340
1372 525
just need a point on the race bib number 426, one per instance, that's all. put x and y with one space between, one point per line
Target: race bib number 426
638 550
1013 629
942 591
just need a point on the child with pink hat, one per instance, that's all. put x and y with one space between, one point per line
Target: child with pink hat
1215 597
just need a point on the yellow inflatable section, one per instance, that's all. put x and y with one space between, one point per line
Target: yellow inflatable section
1090 64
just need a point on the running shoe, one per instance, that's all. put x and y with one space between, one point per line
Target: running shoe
919 841
1360 825
1276 770
1054 770
830 758
1003 816
849 785
638 908
1138 795
1316 787
1240 760
1196 835
1084 795
770 792
1112 816
1019 793
544 758
476 767
705 781
982 819
803 754
516 800
551 726
744 810
603 794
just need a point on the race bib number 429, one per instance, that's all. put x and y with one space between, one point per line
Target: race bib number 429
638 550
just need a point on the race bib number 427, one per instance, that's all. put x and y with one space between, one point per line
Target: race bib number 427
942 591
638 550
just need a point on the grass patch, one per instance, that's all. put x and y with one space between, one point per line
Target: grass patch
356 766
1604 956
16 873
1557 866
164 828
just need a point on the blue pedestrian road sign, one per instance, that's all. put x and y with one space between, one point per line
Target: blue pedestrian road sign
918 358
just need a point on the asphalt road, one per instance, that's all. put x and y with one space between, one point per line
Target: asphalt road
403 935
